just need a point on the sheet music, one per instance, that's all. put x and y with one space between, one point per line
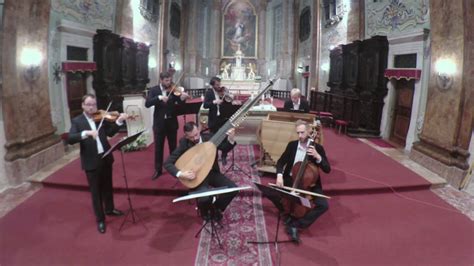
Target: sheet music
304 201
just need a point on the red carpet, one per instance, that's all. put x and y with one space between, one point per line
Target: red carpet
356 168
381 143
243 221
366 224
57 227
381 229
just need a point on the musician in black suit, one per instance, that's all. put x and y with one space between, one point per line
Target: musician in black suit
215 178
165 122
295 151
93 143
296 102
213 100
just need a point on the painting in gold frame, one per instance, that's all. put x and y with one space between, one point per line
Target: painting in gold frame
239 29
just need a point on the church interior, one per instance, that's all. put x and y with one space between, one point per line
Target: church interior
388 84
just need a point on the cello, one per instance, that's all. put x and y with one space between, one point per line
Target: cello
304 176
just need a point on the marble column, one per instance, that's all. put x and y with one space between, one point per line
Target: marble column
447 128
164 35
315 36
215 37
261 62
191 65
285 63
353 21
124 19
31 142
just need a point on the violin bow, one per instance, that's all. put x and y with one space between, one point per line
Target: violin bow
176 83
301 191
103 117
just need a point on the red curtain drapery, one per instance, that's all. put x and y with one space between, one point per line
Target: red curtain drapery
400 73
79 67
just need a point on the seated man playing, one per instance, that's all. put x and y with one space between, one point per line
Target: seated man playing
295 152
296 102
215 178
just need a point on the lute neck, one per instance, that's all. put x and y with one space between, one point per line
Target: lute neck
239 116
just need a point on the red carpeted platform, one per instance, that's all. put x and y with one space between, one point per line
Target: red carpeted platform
381 143
381 229
367 224
356 168
57 227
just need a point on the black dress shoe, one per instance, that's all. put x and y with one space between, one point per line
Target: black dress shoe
156 175
101 227
293 234
114 212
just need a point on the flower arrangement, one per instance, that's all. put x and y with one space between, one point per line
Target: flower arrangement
137 145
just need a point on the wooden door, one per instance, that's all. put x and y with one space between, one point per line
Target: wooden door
402 114
76 88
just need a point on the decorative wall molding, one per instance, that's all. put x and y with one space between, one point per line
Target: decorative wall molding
410 43
95 13
395 16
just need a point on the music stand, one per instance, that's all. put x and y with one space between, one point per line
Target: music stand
188 108
277 194
115 147
212 210
227 110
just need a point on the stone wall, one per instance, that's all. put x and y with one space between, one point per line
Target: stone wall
29 132
447 128
90 15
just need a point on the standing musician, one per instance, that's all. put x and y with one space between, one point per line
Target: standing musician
213 100
295 152
165 98
296 102
215 178
92 135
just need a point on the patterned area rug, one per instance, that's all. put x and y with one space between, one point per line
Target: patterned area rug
243 221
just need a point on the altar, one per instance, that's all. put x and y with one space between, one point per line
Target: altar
246 87
239 78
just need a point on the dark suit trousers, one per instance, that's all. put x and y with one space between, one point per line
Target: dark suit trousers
167 132
100 186
220 121
321 206
215 180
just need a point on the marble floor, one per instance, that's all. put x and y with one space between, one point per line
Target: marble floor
462 200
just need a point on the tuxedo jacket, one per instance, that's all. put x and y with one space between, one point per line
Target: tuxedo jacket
304 105
162 108
285 163
88 146
208 104
185 144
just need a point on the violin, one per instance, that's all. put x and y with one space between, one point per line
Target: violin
176 90
225 95
107 116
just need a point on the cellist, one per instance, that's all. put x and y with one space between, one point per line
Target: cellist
295 152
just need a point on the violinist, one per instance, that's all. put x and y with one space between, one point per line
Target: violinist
164 98
215 97
92 136
295 152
